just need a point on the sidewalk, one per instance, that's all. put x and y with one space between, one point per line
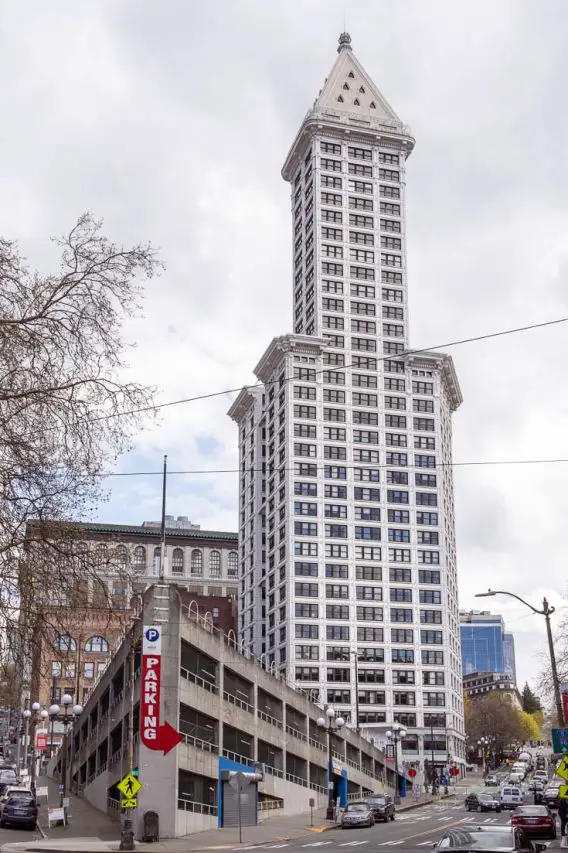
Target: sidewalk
84 819
100 834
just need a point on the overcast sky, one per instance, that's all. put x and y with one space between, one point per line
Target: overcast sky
172 119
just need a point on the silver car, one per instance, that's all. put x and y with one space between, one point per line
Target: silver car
357 814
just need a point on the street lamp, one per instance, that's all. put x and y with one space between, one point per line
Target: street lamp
396 735
32 716
483 743
546 611
330 724
69 714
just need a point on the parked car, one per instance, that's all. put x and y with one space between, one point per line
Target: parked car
357 814
551 797
511 796
382 807
19 810
536 785
14 790
491 782
536 821
505 839
482 803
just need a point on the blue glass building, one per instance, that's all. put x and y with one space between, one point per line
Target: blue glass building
482 642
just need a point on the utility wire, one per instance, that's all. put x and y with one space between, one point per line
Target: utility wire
389 357
338 463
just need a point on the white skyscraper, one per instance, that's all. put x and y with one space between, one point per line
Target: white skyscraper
348 579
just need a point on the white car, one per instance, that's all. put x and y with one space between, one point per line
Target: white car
12 790
511 797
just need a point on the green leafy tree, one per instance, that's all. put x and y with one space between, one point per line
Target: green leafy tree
530 702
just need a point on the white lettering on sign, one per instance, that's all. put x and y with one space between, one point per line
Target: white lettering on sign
150 695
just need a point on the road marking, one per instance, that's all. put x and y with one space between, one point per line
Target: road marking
274 846
317 844
353 843
449 817
467 820
391 843
424 844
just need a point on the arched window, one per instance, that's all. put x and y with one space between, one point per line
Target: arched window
64 643
196 562
177 561
157 559
139 558
233 564
101 555
121 558
82 551
215 564
96 644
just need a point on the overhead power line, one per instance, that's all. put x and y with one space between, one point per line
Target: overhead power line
390 357
338 463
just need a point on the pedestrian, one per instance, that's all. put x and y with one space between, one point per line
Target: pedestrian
563 815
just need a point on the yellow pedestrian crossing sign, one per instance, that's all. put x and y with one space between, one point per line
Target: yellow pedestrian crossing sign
563 792
562 769
129 787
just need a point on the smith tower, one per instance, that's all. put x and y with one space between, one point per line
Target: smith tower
348 579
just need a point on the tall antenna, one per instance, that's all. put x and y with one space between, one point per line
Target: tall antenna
163 527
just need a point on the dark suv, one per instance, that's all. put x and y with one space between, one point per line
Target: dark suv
482 803
382 807
19 811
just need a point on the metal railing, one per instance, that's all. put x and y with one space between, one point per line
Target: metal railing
240 703
298 780
116 756
321 789
268 719
296 733
200 808
268 805
273 771
317 743
240 759
205 745
113 804
349 761
197 679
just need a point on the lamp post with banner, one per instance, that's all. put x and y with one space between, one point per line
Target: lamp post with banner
333 724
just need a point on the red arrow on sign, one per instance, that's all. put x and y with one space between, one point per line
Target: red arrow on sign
167 738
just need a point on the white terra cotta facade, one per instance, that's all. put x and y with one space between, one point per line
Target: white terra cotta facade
347 530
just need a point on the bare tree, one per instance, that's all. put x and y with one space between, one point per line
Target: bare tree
545 683
66 412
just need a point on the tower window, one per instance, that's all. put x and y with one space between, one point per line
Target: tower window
346 85
372 105
362 89
351 75
340 99
356 102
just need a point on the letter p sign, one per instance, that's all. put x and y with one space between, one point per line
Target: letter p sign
151 640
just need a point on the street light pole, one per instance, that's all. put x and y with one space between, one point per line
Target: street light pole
396 735
329 728
547 611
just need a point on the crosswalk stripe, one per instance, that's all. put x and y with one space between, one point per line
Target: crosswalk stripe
274 846
390 843
317 844
353 843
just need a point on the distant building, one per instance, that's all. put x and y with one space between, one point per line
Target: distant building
510 667
77 625
482 635
478 684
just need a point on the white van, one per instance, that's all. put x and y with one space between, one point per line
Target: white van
511 797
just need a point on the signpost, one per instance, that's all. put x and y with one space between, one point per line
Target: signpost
129 787
154 736
562 769
560 740
238 781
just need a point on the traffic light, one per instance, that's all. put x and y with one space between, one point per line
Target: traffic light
135 772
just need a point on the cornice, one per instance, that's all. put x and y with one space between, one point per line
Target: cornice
445 364
394 134
285 344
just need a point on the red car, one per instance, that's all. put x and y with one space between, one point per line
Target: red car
535 821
